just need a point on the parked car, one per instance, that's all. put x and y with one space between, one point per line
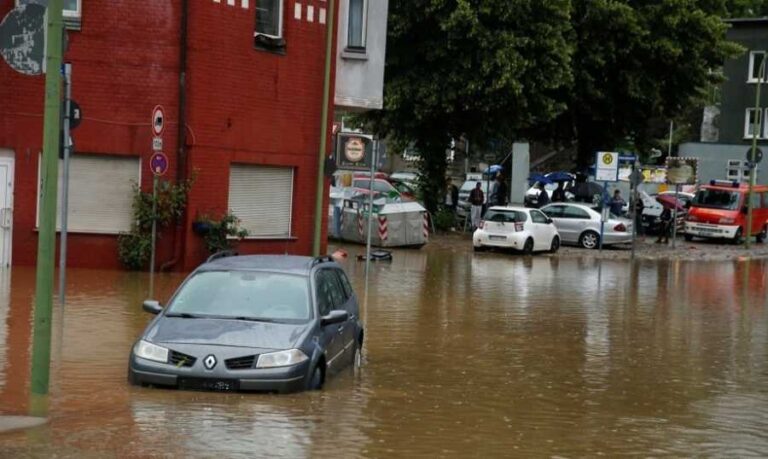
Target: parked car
579 224
379 185
519 228
252 323
463 207
719 210
409 178
654 205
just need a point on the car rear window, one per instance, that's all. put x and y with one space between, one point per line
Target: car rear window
505 216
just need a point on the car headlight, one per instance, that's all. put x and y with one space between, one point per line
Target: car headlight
149 351
281 359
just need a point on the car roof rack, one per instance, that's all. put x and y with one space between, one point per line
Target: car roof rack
322 259
222 254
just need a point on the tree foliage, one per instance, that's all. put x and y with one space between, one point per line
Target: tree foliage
595 73
475 67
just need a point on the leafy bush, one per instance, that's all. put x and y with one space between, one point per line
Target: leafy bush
134 248
222 234
445 220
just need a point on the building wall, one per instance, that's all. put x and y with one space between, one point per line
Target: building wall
737 93
713 159
244 105
360 77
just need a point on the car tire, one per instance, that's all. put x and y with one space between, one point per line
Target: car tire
688 237
738 238
760 238
555 246
589 240
528 246
478 248
317 379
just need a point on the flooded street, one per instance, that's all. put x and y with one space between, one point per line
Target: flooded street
467 355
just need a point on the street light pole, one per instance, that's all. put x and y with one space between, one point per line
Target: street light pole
753 154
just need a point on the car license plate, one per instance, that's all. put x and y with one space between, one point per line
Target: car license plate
497 238
217 385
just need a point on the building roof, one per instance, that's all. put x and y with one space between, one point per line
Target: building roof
275 263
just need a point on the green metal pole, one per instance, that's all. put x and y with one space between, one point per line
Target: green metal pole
324 129
753 169
46 246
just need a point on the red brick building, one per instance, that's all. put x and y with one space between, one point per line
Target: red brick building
248 111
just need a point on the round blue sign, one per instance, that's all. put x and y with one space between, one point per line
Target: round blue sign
159 164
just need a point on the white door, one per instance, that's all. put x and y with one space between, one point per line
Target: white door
543 231
6 208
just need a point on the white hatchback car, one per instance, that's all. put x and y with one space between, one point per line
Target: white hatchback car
519 228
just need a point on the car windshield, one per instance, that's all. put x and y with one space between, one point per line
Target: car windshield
505 216
717 199
247 295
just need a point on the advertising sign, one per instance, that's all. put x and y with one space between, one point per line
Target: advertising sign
654 174
354 151
607 166
682 171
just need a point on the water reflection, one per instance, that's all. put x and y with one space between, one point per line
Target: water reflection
467 355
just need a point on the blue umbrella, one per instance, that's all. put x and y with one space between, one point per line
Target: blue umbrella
560 177
541 178
493 169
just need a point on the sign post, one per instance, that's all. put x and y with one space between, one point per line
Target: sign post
680 171
635 179
606 170
67 150
159 166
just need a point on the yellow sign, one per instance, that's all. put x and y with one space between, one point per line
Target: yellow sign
607 159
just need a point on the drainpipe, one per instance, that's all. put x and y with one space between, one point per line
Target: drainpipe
181 157
321 189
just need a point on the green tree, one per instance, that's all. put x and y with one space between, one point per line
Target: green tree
481 68
746 8
638 62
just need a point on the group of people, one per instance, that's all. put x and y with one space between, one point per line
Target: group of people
497 196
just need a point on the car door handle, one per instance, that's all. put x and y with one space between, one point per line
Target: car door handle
341 329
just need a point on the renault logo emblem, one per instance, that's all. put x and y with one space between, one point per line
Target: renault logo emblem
210 362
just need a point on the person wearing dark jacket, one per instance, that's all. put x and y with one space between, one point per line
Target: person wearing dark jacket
543 198
559 194
666 220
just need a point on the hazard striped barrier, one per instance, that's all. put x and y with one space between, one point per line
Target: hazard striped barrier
383 228
426 226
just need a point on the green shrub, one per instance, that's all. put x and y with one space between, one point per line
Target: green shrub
445 220
222 234
133 249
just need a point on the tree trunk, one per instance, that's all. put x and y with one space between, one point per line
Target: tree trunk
432 168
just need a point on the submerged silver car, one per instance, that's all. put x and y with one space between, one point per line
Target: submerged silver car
579 224
252 323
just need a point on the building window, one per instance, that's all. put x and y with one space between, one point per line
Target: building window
356 25
269 18
262 198
749 123
100 193
738 170
72 10
755 61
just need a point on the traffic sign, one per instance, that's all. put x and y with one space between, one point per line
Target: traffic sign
75 114
607 166
758 155
22 39
158 120
159 164
157 144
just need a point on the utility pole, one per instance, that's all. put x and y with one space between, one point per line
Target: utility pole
758 123
41 345
321 189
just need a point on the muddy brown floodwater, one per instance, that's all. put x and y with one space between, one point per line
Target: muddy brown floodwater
467 355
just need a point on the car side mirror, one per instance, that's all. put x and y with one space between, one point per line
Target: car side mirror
152 307
549 221
334 317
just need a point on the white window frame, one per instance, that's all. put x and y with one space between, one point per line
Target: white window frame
752 69
68 14
364 31
748 125
281 6
58 197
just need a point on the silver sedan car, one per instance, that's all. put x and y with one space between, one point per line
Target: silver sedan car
579 224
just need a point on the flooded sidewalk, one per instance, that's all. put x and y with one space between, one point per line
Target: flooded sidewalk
467 355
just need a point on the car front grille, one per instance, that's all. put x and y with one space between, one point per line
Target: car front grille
181 360
241 363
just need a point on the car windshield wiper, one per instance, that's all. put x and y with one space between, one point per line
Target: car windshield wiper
256 319
183 315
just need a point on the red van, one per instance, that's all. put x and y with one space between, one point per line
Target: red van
719 210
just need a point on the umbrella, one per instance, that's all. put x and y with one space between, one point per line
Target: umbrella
668 201
493 169
536 177
560 177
